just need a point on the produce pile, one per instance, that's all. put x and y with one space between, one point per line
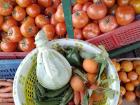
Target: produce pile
20 20
129 74
6 92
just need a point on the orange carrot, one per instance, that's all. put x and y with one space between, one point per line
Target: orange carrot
77 98
6 95
6 89
2 100
5 83
93 87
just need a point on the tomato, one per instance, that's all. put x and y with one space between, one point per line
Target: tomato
97 10
56 3
14 34
4 37
8 23
50 31
26 44
19 13
60 29
33 10
109 3
108 23
123 2
24 3
1 20
136 5
28 29
34 1
91 30
41 20
81 1
79 19
53 20
45 3
78 34
86 5
50 11
7 46
59 15
28 19
112 10
6 7
77 7
125 15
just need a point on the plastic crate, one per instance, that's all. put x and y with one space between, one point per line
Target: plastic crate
119 37
12 55
8 68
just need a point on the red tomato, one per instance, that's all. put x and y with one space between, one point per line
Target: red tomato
14 34
53 20
77 7
97 10
112 10
78 34
45 3
8 23
1 20
108 23
28 19
24 3
79 19
33 10
50 31
136 5
26 44
60 29
125 15
6 7
56 3
109 3
123 2
7 46
19 13
91 30
59 15
86 5
41 20
81 1
28 29
50 11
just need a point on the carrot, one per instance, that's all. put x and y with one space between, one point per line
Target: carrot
8 100
93 87
82 94
5 83
7 104
6 95
76 83
77 97
6 89
91 78
71 103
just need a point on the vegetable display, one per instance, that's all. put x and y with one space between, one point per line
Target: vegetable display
129 75
90 19
70 75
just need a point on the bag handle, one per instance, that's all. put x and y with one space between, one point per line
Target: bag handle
68 17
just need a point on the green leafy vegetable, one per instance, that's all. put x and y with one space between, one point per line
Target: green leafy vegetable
73 57
67 97
85 99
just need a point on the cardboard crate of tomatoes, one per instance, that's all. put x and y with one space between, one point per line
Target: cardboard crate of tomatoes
96 21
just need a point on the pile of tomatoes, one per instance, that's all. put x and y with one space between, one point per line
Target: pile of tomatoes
20 20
